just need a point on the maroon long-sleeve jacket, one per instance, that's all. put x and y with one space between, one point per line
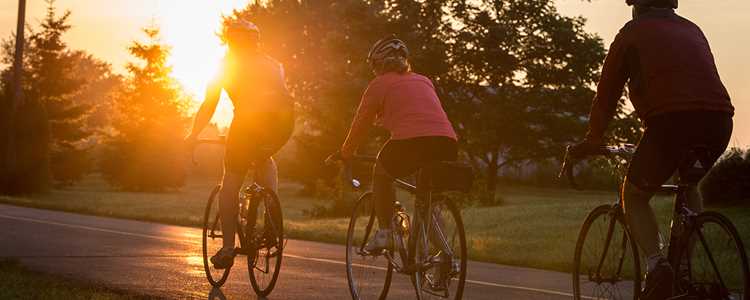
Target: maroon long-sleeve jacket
668 65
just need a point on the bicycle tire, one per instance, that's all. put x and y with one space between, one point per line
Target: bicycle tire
613 220
365 206
421 278
272 237
731 271
208 222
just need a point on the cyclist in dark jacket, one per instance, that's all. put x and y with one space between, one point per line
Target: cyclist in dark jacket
675 88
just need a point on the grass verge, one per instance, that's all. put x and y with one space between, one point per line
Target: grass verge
17 282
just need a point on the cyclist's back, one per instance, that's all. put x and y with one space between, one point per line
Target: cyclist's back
405 104
671 66
254 82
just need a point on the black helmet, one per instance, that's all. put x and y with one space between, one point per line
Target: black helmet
654 3
387 47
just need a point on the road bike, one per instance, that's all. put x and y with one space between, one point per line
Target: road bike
704 249
429 240
260 230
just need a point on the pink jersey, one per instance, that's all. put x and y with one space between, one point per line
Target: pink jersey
404 104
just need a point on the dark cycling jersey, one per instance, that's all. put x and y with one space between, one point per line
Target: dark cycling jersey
669 66
263 110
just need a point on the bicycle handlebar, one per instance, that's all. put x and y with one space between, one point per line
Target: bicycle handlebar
572 159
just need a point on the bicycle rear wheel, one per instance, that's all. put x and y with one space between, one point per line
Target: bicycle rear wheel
212 240
714 262
606 263
440 253
265 235
369 275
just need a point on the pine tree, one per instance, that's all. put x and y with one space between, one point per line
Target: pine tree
50 121
145 152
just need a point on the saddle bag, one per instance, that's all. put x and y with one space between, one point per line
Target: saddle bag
447 176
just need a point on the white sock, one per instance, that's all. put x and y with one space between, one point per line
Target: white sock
652 261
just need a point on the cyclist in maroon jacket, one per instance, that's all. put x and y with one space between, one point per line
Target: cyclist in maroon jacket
675 88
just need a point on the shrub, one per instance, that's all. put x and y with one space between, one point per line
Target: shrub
728 182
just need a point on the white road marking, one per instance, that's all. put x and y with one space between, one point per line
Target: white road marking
322 260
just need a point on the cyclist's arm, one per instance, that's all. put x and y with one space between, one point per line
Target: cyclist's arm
368 109
207 108
609 91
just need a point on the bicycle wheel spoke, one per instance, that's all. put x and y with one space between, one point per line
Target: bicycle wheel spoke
714 264
212 240
606 266
265 237
441 250
368 274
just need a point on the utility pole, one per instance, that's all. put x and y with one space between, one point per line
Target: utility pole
15 102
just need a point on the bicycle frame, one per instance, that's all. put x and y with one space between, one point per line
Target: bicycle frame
423 204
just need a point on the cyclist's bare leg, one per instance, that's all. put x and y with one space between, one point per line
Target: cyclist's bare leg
267 175
229 205
641 219
385 196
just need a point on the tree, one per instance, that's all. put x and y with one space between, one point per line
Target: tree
145 151
521 85
50 122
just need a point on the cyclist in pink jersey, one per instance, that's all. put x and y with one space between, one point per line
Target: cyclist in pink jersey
406 104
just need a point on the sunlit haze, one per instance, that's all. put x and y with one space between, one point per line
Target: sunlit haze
105 28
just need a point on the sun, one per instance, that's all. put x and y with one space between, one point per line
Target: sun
190 27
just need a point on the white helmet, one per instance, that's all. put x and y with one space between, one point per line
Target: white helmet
387 47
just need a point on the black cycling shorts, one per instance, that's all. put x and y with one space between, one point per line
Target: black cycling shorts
668 139
401 158
255 137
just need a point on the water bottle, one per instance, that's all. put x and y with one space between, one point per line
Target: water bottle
401 219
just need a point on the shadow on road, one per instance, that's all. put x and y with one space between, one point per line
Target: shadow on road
216 294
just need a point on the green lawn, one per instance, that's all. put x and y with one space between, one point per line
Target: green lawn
535 227
17 282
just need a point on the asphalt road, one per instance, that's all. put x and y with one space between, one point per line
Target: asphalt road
166 261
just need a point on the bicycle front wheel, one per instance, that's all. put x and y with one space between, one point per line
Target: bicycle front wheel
368 274
714 262
213 239
606 263
265 234
440 253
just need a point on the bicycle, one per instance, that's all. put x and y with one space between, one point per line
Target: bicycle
260 230
705 250
430 247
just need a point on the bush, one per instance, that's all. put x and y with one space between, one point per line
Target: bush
728 183
145 151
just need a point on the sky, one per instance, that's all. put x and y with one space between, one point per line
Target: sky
105 29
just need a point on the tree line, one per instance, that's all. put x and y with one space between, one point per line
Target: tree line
77 115
516 78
